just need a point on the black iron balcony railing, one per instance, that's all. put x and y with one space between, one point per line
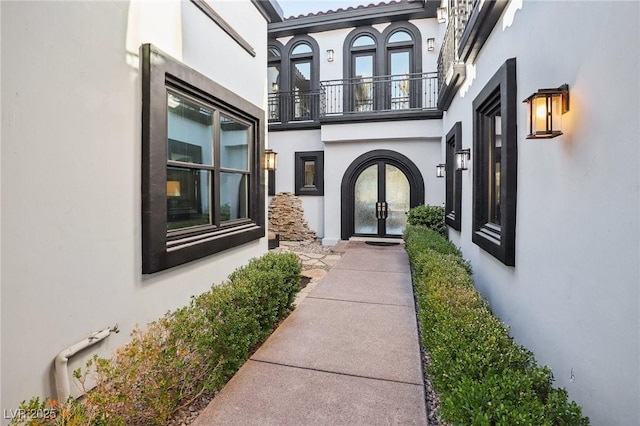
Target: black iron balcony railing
448 57
284 107
379 94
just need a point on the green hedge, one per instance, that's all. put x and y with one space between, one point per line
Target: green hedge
188 352
481 375
430 216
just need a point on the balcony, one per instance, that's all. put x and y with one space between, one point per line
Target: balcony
469 25
451 70
401 97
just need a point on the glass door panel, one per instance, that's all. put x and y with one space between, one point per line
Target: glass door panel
301 84
400 64
363 82
365 198
397 198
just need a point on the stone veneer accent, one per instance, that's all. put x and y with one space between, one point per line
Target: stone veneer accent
286 217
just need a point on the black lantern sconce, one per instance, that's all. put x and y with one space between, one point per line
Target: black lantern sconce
545 109
462 159
270 159
440 170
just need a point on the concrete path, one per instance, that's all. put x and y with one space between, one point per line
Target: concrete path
347 355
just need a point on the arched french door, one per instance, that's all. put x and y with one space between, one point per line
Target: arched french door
378 188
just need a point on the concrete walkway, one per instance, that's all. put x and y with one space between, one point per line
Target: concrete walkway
347 355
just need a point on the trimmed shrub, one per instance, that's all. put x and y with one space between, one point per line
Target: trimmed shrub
430 216
481 375
188 352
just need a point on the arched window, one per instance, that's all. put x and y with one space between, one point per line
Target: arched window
302 80
273 81
403 66
363 52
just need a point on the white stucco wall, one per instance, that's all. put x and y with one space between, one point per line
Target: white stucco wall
573 296
346 142
71 156
286 144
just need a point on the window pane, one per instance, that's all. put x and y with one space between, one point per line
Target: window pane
273 78
234 144
495 163
274 53
399 68
310 174
400 36
398 199
366 197
189 129
364 40
188 198
301 80
363 93
301 48
234 198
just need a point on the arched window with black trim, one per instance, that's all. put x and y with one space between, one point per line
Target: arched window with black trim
274 72
302 75
363 61
403 61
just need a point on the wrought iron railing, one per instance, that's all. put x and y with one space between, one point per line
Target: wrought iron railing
379 94
285 107
458 18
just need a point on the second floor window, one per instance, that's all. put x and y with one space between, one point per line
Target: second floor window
301 58
363 68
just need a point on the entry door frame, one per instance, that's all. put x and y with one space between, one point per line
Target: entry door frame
416 183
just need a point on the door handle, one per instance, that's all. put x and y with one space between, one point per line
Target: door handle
378 210
384 213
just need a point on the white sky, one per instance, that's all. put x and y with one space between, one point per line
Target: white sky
302 7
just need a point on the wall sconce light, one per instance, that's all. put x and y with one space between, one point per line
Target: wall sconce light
440 170
274 87
330 54
442 15
270 159
431 44
462 159
545 109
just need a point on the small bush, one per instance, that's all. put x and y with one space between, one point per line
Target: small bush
482 376
430 216
188 352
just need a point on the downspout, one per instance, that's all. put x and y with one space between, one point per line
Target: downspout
61 374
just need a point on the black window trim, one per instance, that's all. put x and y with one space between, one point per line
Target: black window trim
453 178
318 158
161 249
499 241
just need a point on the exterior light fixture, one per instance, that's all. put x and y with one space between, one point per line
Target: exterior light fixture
270 159
330 55
431 44
545 109
274 87
462 159
440 170
442 15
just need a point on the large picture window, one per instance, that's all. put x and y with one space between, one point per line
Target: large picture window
202 188
495 165
453 200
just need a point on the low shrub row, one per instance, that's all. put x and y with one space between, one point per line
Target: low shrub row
188 352
430 216
480 374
